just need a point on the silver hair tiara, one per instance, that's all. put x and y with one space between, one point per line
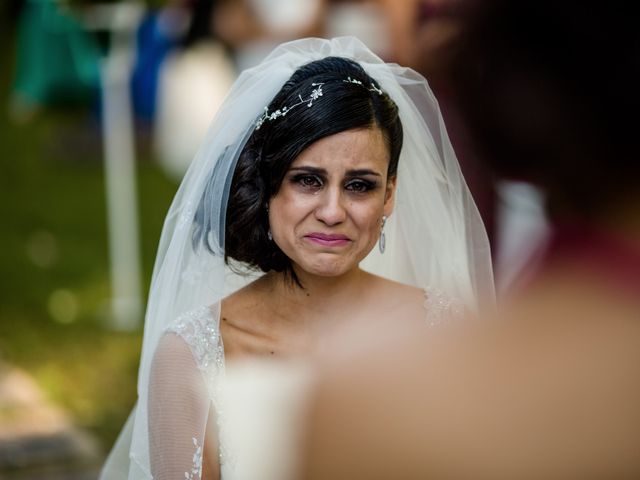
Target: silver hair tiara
358 82
315 94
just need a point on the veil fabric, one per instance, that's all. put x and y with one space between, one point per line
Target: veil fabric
435 240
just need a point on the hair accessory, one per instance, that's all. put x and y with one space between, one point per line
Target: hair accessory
358 82
315 94
281 112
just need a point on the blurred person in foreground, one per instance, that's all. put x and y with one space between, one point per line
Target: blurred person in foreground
551 387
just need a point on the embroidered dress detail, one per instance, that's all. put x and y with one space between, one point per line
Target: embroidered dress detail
196 470
198 329
441 307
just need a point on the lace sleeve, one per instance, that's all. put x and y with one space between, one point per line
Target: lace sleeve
200 332
180 399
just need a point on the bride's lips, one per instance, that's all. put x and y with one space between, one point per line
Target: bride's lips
328 240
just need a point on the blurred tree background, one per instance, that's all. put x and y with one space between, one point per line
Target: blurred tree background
54 299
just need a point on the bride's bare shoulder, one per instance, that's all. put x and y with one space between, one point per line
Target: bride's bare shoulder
398 297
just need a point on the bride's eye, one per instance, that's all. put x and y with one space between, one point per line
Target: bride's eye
359 186
307 181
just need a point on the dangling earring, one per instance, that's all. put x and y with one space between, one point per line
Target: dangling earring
269 236
382 241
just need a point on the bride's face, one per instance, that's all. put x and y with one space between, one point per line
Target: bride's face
327 214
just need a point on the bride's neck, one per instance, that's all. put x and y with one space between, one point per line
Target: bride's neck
316 297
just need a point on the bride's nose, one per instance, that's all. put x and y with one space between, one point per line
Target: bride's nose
331 208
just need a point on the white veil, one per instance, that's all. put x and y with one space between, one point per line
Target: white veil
435 240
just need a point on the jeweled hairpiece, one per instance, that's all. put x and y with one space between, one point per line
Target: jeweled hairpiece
281 112
315 94
358 82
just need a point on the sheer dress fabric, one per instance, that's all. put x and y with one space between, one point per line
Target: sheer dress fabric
435 241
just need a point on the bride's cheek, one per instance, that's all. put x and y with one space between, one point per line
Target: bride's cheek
371 218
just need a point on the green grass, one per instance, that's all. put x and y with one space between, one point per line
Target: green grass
54 258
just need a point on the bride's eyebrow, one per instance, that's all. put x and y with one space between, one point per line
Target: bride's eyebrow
362 172
322 172
306 169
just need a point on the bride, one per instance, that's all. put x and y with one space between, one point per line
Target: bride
318 154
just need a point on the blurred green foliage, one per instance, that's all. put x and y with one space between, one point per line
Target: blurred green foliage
54 298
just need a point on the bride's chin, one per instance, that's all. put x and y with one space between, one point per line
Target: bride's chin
327 269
